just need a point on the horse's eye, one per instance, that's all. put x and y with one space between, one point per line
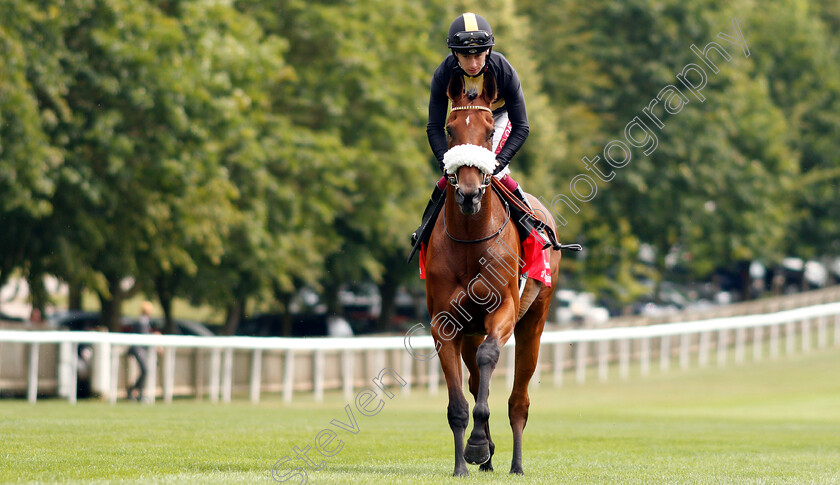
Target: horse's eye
449 132
491 134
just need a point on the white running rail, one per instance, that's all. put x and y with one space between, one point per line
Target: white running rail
318 364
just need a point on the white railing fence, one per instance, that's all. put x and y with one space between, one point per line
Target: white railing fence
220 367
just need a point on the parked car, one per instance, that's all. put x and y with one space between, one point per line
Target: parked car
579 309
303 325
87 321
75 320
11 318
182 327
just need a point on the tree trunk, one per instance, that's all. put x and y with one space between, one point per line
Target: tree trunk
74 297
777 283
832 277
746 283
169 326
388 298
803 282
659 276
112 305
4 278
235 314
165 295
285 300
331 299
38 292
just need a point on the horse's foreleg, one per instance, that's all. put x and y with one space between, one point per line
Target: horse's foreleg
527 353
469 349
477 451
458 411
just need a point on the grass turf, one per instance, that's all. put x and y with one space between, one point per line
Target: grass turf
773 422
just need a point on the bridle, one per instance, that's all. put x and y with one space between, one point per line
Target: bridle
471 106
486 238
453 177
487 179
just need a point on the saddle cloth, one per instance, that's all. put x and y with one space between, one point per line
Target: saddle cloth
534 262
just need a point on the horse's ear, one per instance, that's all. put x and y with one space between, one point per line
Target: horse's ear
490 90
456 87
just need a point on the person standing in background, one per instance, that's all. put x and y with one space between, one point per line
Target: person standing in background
143 326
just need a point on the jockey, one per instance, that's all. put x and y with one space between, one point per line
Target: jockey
471 41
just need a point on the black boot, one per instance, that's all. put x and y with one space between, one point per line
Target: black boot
436 193
520 194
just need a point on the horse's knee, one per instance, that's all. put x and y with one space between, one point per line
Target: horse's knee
481 412
518 410
488 353
458 415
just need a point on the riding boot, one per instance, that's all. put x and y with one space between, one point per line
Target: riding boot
427 212
520 194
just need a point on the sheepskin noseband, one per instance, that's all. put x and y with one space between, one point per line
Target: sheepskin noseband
471 156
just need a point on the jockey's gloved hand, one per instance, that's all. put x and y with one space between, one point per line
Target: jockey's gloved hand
500 165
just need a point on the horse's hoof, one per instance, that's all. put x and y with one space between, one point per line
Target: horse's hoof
516 470
461 472
486 467
477 454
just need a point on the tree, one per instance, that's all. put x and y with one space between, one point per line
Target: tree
801 72
680 194
31 80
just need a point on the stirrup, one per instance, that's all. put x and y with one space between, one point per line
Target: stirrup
520 194
546 242
429 214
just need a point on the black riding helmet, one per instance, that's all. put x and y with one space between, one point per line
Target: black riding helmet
470 34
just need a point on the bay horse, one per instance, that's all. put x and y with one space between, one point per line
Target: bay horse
472 262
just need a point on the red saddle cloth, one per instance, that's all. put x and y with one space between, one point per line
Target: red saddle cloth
537 263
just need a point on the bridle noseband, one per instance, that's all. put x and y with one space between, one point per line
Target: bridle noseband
452 178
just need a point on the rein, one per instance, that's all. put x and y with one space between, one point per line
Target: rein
512 198
487 238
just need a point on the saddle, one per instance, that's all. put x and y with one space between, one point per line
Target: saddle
527 220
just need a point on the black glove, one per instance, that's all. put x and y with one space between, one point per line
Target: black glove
500 165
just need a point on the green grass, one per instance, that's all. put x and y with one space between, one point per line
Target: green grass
774 422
